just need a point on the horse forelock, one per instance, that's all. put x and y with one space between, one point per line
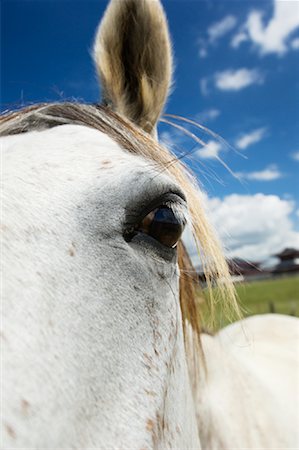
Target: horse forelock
134 140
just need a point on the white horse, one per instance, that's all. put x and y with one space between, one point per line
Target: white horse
101 347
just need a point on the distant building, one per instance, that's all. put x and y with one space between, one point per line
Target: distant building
245 270
288 262
242 270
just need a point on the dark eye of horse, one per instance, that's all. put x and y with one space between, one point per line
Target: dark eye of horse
163 225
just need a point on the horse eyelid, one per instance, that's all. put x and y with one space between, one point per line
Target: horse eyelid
172 200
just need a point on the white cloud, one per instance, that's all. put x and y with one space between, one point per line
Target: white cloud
166 138
250 138
208 114
234 80
295 156
190 244
295 44
240 37
203 47
204 86
253 226
174 140
203 53
272 36
210 151
216 31
219 29
270 173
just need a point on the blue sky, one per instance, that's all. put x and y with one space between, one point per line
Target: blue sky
236 73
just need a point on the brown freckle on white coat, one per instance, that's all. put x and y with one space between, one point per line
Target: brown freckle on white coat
2 335
149 362
25 405
149 425
72 250
148 358
150 393
157 335
106 164
10 431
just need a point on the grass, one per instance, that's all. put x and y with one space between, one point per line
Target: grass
280 295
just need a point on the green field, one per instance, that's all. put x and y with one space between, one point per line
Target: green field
280 295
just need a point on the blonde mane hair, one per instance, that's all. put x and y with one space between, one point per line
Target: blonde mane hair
134 140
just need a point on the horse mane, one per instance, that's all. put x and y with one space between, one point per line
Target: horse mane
134 140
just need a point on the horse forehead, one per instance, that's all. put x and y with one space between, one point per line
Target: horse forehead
65 167
74 147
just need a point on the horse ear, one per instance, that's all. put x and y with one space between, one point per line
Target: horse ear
133 58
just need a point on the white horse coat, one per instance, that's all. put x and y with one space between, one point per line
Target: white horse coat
251 395
93 350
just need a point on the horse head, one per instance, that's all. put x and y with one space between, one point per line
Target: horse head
101 326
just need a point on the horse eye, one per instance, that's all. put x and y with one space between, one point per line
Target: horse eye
163 225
